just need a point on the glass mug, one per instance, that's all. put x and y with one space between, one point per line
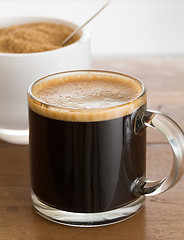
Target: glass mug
88 165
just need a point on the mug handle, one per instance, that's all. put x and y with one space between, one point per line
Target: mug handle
15 136
175 137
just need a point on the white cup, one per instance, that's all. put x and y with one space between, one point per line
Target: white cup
19 70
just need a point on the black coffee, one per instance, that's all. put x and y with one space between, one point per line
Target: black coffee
89 165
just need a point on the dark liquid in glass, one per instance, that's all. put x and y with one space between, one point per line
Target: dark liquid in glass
85 167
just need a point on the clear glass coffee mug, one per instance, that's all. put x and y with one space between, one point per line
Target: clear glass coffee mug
110 183
88 166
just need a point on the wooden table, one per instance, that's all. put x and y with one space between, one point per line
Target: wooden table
163 215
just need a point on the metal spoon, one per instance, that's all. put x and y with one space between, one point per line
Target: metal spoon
79 28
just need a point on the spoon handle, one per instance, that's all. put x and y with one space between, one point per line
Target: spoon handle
79 28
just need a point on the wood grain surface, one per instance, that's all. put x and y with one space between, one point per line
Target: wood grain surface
163 215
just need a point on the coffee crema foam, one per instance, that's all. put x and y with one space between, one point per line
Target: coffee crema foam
86 97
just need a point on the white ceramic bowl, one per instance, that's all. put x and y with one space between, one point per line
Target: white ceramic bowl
19 70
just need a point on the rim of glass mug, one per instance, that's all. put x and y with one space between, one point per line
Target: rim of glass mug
88 115
6 22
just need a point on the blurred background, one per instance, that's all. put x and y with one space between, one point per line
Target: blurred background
125 27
